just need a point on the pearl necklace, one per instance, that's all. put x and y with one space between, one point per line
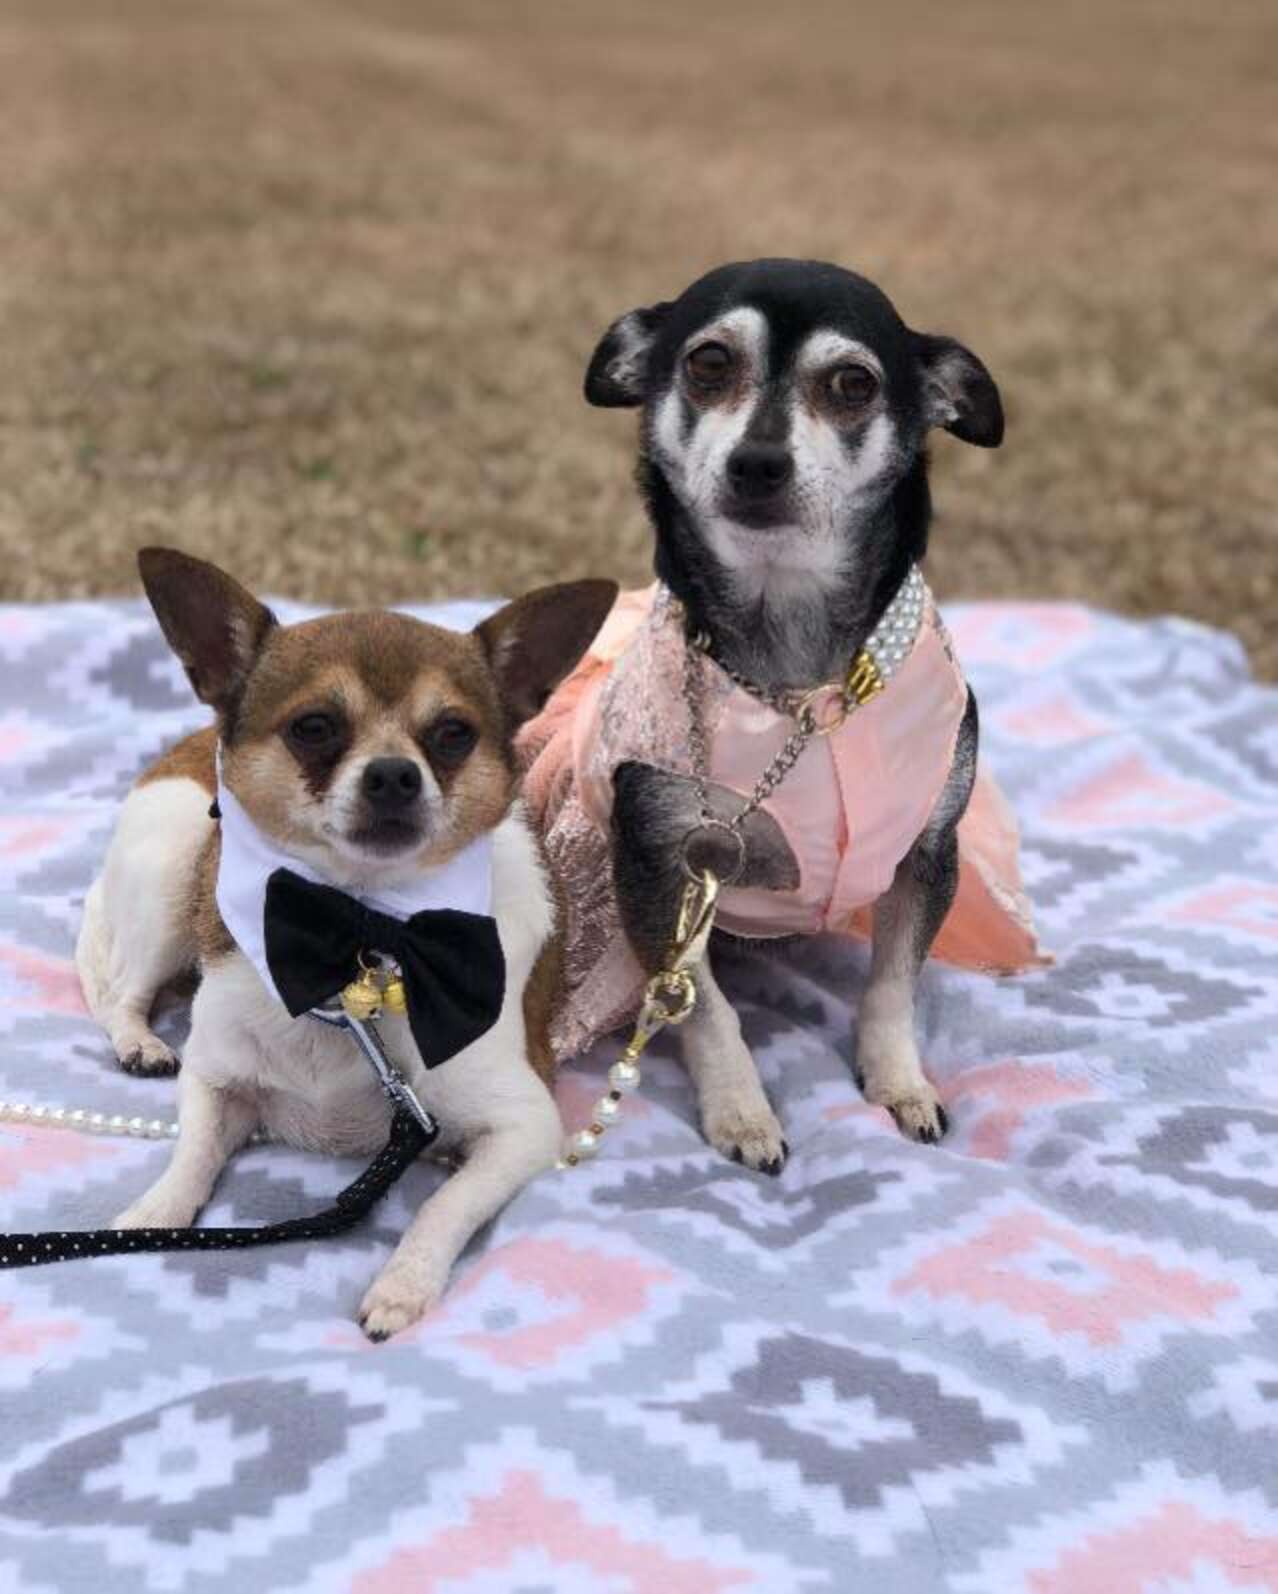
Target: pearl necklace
887 646
91 1123
98 1123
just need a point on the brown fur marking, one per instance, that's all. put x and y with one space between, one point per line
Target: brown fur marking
212 938
545 991
194 758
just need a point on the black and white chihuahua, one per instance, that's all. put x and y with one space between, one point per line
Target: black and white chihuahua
782 459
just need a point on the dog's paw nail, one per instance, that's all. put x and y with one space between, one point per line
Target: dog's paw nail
920 1118
382 1322
395 1303
150 1061
754 1141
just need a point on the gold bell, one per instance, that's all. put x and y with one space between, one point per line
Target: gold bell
362 998
394 995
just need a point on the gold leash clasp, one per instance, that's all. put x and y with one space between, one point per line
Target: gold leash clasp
825 709
671 994
696 917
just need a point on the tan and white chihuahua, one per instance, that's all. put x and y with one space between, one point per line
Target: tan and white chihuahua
370 752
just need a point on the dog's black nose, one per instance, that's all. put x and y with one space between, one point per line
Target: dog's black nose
758 470
391 782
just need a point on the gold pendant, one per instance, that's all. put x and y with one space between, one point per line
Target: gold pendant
864 680
394 995
362 998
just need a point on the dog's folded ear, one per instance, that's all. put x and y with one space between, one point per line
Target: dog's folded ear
958 392
617 376
533 643
214 626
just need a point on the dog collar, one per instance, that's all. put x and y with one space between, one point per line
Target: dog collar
872 667
249 859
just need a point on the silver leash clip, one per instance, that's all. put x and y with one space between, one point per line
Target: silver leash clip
394 1086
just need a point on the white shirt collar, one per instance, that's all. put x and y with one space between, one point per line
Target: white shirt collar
249 859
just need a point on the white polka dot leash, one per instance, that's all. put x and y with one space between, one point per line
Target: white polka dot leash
407 1140
412 1130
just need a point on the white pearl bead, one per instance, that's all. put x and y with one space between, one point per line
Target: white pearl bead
20 1110
584 1143
157 1129
137 1126
78 1117
57 1115
624 1076
606 1110
39 1114
116 1122
173 1131
97 1122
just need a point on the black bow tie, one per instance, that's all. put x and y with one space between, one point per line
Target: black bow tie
451 962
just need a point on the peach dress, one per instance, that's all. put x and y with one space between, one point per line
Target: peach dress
850 809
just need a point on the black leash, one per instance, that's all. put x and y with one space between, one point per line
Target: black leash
406 1143
413 1128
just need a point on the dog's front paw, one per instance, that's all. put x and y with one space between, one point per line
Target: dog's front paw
752 1137
398 1297
152 1059
897 1082
919 1116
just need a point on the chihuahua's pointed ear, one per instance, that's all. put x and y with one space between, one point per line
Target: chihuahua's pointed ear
214 626
617 376
958 392
534 642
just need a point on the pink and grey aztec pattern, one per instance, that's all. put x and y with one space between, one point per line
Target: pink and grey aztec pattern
1042 1359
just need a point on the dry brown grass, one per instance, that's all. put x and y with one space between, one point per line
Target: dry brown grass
309 287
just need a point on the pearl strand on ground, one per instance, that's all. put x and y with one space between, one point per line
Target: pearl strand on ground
623 1077
92 1123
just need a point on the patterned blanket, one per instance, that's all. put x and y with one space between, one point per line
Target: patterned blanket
1040 1359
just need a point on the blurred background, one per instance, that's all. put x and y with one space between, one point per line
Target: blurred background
308 286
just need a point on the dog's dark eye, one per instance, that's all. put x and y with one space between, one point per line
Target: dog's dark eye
854 384
708 365
312 730
450 740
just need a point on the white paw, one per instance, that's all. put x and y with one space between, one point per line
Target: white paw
748 1135
150 1058
916 1110
398 1297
